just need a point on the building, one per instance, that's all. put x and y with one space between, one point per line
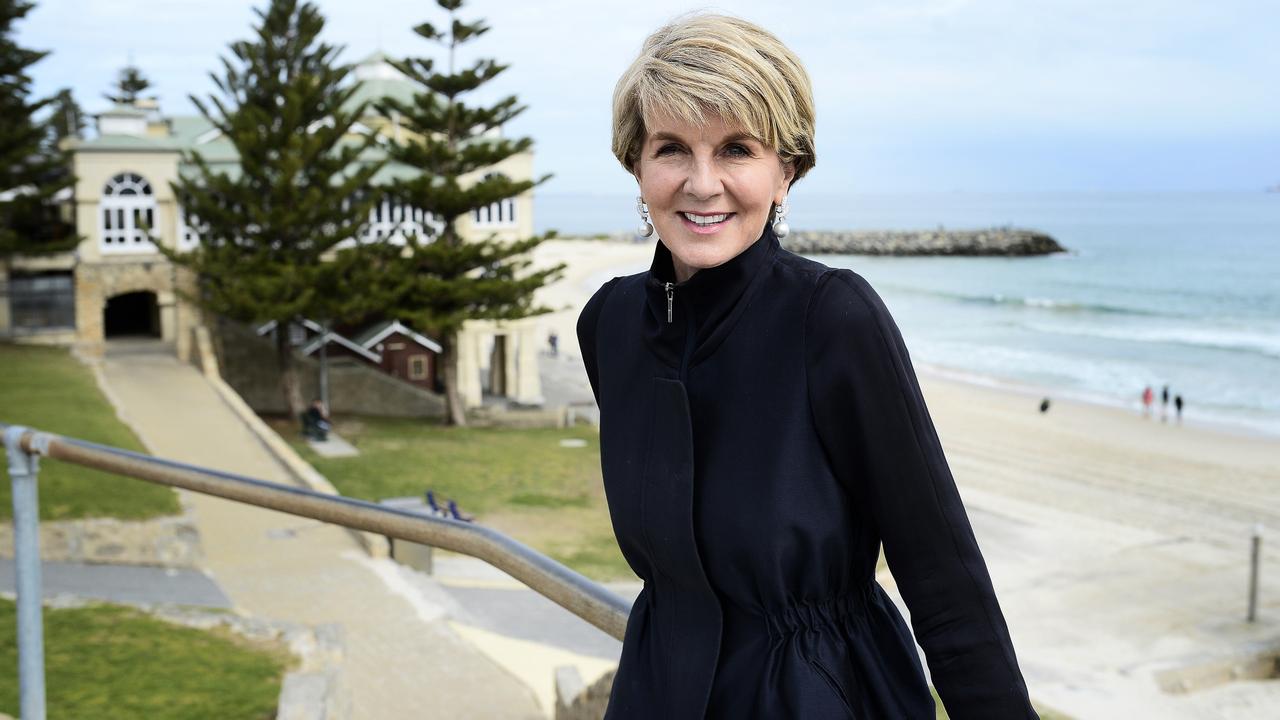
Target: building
116 284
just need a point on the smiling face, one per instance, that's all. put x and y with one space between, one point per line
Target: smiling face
709 188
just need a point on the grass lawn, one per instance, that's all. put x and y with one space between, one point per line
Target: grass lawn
106 662
47 389
518 481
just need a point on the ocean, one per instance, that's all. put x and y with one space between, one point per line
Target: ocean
1176 289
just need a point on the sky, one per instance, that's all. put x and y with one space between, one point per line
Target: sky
912 95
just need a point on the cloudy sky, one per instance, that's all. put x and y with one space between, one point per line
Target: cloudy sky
913 95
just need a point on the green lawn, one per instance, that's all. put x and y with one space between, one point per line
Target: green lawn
105 662
47 389
519 481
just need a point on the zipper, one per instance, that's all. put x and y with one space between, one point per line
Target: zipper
690 331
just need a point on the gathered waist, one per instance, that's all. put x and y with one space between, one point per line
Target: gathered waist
827 614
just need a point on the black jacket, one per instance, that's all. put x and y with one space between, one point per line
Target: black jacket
761 433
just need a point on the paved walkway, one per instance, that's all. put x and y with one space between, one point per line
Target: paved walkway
403 660
123 584
333 446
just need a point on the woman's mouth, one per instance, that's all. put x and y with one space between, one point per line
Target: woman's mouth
705 223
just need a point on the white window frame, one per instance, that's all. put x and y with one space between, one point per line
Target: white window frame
501 214
392 221
127 204
188 234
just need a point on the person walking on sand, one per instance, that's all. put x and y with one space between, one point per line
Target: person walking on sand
1147 398
1177 404
1164 403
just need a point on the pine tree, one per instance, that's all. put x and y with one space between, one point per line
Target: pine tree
130 84
268 230
32 171
445 280
66 119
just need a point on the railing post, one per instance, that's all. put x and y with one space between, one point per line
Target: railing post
23 470
1255 559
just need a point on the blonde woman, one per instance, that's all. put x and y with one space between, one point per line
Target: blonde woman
762 431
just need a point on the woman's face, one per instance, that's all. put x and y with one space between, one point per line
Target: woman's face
709 188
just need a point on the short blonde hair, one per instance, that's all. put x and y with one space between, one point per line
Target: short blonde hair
723 65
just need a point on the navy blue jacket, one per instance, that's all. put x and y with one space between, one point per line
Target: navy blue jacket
762 433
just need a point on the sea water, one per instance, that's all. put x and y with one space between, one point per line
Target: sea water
1155 289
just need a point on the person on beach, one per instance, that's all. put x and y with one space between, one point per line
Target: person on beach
1177 404
1147 397
763 433
1164 403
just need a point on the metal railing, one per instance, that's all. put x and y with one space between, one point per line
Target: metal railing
569 589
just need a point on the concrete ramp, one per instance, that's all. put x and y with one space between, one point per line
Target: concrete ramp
402 659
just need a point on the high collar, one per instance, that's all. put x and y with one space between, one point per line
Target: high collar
709 301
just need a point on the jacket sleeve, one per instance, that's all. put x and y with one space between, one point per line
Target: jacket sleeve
881 443
588 320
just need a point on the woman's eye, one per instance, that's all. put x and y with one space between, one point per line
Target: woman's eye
738 150
668 149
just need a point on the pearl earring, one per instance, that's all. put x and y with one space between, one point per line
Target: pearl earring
780 226
646 227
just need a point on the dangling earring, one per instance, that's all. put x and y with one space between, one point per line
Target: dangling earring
780 226
646 227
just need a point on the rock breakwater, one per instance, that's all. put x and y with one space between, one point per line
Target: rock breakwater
994 241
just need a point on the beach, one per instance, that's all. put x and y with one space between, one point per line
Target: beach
1118 545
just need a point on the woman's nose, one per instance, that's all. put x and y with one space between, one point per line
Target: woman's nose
704 179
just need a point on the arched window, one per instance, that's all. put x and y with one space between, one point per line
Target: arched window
128 212
501 214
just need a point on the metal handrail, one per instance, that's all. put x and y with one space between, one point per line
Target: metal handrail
569 589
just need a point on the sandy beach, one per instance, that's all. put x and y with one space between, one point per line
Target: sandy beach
1119 545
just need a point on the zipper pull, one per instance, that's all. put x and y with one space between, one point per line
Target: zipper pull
670 299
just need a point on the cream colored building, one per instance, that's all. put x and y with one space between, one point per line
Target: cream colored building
120 286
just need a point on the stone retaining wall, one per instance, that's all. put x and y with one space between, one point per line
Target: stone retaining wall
247 363
574 701
171 541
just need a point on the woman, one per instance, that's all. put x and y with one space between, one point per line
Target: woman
762 431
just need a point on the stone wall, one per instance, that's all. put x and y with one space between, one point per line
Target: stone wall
165 541
574 701
248 364
995 241
98 282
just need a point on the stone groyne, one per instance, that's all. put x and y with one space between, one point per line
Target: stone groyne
994 241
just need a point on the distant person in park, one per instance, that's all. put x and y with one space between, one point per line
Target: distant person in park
1147 398
315 421
1164 403
1177 404
763 431
553 340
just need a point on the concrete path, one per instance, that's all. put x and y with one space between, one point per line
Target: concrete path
123 584
333 446
403 660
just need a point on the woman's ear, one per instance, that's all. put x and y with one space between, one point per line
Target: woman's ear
788 175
